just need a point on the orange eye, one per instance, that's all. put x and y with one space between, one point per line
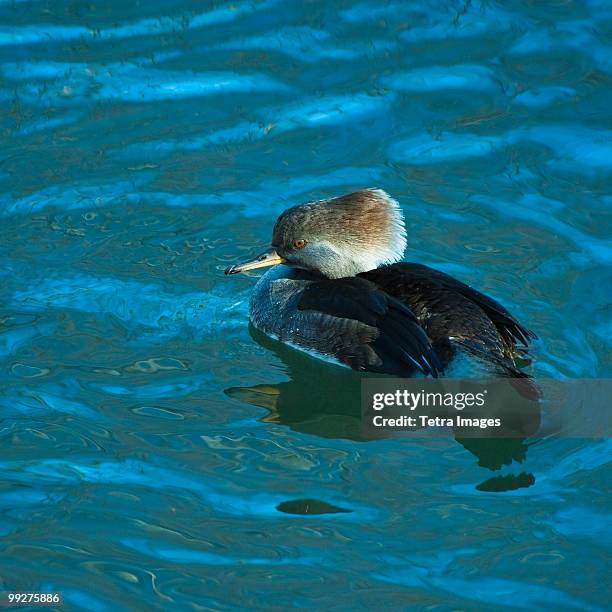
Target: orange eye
299 244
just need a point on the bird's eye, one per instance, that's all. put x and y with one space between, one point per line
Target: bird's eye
299 244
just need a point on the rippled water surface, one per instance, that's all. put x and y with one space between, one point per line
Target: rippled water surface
155 453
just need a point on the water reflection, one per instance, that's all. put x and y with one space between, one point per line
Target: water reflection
323 399
319 398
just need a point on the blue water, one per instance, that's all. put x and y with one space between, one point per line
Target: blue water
155 453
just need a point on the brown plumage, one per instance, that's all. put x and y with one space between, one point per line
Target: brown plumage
374 220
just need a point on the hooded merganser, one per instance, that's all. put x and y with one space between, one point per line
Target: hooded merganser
342 295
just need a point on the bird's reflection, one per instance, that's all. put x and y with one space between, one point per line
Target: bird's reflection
325 400
319 398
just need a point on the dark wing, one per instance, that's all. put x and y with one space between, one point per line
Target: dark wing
434 294
396 343
510 329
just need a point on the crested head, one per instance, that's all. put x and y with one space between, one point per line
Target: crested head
342 236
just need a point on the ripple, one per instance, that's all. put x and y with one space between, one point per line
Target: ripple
27 497
470 21
524 595
11 341
581 522
40 401
577 148
40 125
425 149
131 472
143 303
27 371
181 388
43 33
308 45
544 96
439 78
134 81
142 85
537 210
327 110
157 412
156 364
580 35
175 554
222 14
367 11
436 572
309 113
71 197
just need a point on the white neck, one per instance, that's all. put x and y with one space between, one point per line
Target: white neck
339 263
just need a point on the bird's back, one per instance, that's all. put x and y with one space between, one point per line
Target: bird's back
457 318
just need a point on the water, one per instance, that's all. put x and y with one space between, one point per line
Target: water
155 455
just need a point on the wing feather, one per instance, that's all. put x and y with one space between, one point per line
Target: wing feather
399 343
454 308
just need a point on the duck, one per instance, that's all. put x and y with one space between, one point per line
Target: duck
337 289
